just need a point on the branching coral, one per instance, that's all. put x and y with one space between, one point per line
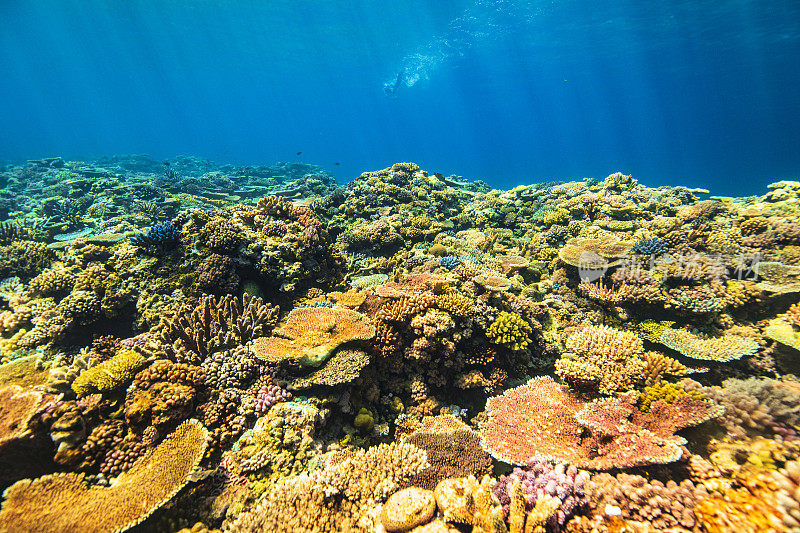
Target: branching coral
510 330
336 497
606 360
215 324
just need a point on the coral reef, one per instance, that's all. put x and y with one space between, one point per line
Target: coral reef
365 356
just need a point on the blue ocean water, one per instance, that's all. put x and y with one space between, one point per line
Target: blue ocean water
699 93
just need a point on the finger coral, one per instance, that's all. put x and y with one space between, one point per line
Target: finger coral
64 502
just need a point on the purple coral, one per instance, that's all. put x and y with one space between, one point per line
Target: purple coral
269 395
539 478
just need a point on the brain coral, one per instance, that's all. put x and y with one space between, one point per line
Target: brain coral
63 502
311 334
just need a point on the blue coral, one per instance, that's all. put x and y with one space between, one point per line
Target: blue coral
654 246
449 262
160 238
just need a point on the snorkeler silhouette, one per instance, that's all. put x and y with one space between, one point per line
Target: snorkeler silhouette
390 87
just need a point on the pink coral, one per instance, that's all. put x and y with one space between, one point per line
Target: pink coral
541 419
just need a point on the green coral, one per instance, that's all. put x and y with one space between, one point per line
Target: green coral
364 422
110 374
510 330
669 392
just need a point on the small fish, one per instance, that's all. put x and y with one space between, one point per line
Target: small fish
298 153
166 163
336 163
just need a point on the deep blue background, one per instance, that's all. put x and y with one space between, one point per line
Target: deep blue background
699 93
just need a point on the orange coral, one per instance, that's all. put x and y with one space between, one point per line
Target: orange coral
310 335
17 406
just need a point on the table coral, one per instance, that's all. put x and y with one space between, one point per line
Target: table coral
719 349
310 335
62 502
542 419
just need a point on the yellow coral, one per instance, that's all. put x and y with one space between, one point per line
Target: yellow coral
110 374
510 330
669 392
455 304
559 216
720 349
64 502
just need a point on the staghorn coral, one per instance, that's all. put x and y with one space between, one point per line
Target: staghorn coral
310 335
542 419
606 360
62 502
110 374
336 497
659 365
720 349
214 324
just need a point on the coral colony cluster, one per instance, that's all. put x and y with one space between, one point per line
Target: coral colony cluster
248 349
